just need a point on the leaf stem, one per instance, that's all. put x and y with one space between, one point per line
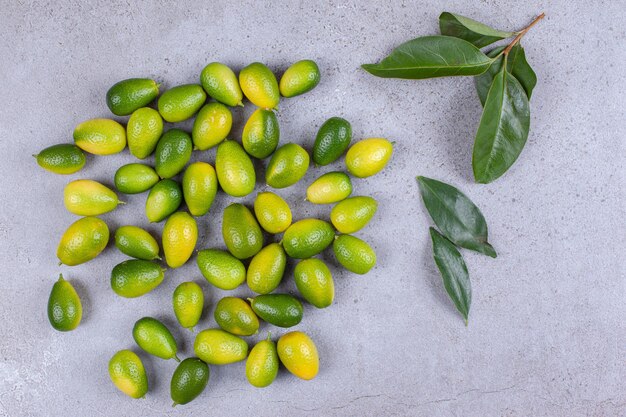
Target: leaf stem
521 33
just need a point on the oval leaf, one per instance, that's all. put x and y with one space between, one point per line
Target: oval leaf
429 57
455 215
470 30
503 128
453 270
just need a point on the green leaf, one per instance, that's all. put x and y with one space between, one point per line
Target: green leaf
470 30
429 57
453 270
455 215
516 65
503 128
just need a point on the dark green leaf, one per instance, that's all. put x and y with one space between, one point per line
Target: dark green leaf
452 267
516 65
503 128
455 215
429 57
470 30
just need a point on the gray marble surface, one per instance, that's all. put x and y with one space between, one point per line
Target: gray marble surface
546 334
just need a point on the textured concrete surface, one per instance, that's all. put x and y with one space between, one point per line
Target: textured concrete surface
546 335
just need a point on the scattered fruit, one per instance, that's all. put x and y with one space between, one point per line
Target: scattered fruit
126 96
220 82
287 166
164 199
64 307
199 188
241 232
300 78
189 380
261 134
353 213
329 188
332 140
144 128
181 102
282 310
212 125
172 153
262 364
83 241
180 235
272 212
135 178
315 282
217 347
137 243
188 302
155 338
307 237
221 269
235 316
128 374
135 277
61 159
89 198
299 354
235 171
100 136
368 157
259 85
354 254
266 269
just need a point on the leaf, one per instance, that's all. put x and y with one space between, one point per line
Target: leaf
516 65
503 128
429 57
455 215
453 270
470 30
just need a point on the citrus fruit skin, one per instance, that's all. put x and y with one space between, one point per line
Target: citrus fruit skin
266 269
332 140
64 307
100 136
128 374
353 213
135 277
217 347
126 96
155 338
315 282
164 199
235 171
181 102
64 159
259 85
368 157
299 354
83 241
135 178
189 380
235 316
220 82
299 78
211 126
89 198
188 302
137 243
354 254
262 364
307 237
180 235
261 134
144 128
199 188
329 188
172 153
272 212
287 166
282 310
241 232
221 269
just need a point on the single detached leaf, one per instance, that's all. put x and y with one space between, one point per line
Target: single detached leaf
455 215
453 270
503 128
429 57
516 65
470 30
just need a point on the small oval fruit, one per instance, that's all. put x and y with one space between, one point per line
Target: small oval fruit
135 277
261 134
164 199
241 232
199 187
368 157
83 241
126 96
189 380
172 153
299 354
180 235
266 269
332 140
353 213
272 212
259 85
212 125
64 307
262 364
188 302
354 254
89 198
128 374
137 243
144 128
220 82
100 136
61 159
329 188
301 77
307 237
235 316
221 269
235 171
181 102
217 347
287 166
155 338
315 282
282 310
135 178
